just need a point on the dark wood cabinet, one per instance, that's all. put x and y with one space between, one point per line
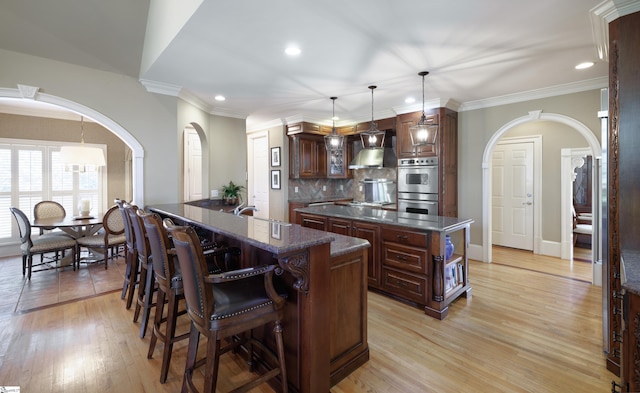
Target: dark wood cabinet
406 264
292 210
370 232
313 221
623 211
338 162
361 230
307 156
404 147
387 124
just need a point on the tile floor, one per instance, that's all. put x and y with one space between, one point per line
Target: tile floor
49 287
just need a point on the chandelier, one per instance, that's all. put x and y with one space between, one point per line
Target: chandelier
81 158
425 132
333 141
373 137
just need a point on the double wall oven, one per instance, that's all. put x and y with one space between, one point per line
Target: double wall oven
418 185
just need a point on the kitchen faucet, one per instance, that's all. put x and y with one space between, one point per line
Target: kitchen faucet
240 209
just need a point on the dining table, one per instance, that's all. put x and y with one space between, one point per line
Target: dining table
74 226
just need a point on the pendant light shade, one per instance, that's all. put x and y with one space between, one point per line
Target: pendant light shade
81 158
333 141
426 131
372 138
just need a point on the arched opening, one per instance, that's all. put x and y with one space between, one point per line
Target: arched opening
592 141
195 163
137 152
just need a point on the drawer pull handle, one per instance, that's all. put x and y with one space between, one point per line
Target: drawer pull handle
401 257
402 237
402 283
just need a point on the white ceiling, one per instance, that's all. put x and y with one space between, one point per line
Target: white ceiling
474 51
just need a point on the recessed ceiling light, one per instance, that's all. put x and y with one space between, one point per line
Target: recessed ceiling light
584 65
219 98
292 50
409 100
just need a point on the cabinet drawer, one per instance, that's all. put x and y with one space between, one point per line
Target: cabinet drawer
405 237
403 257
409 286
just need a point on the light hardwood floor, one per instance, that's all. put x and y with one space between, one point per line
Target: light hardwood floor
533 328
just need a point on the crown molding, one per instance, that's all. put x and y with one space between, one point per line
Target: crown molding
569 88
605 13
161 88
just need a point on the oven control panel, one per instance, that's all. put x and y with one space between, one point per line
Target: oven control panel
429 161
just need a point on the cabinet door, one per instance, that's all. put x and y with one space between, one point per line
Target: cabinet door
308 157
292 211
403 138
370 232
312 221
342 227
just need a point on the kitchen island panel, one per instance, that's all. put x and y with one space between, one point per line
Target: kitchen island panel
412 254
320 268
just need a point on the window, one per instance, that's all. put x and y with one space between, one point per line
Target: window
31 171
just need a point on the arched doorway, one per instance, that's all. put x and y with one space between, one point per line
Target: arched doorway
195 167
31 93
594 145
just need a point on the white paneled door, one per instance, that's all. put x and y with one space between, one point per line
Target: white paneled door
512 195
259 186
192 165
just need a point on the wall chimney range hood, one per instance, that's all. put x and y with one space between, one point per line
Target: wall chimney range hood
374 157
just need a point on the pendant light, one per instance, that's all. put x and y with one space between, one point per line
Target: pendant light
81 158
372 138
333 141
425 132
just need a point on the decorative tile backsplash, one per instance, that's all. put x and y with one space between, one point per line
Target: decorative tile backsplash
312 189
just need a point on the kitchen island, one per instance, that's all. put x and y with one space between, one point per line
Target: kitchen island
408 259
325 277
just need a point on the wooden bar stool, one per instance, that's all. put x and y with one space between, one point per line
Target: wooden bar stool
223 306
170 290
130 256
146 281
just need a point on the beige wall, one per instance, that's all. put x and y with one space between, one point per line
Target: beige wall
42 128
151 119
224 147
555 136
476 127
148 118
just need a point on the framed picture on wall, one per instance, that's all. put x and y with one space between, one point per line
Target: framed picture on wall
275 156
275 179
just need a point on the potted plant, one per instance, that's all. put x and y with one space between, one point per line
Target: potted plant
231 193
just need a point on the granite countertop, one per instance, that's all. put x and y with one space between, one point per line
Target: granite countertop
631 270
320 199
380 216
274 236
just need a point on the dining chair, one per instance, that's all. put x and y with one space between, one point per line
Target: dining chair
130 256
49 209
170 290
225 305
110 237
41 245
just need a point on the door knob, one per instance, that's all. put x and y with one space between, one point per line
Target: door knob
527 203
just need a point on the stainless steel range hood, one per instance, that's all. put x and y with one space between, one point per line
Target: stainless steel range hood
374 157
